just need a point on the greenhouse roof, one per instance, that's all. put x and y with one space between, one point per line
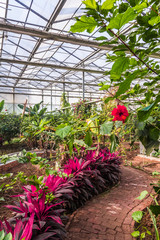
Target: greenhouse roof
40 56
39 53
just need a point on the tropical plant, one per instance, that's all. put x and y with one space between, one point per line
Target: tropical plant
64 102
32 130
22 230
35 110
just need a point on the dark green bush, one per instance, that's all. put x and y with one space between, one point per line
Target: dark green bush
10 126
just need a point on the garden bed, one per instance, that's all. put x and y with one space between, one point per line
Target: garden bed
77 182
29 169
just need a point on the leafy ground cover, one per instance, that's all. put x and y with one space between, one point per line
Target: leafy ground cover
147 223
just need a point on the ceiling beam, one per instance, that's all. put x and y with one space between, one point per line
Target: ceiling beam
56 37
40 89
45 80
46 95
49 65
51 36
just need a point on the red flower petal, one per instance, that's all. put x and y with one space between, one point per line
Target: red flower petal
120 113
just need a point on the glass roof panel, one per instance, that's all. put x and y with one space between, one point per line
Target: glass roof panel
54 18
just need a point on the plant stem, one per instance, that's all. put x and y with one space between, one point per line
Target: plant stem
133 52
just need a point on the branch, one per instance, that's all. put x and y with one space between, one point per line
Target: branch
133 52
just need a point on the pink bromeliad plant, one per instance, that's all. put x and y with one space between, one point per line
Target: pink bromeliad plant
52 182
45 217
21 230
76 165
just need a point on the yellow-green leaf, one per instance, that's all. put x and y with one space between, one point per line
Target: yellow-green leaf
140 7
122 18
84 23
90 4
137 216
154 20
108 4
135 234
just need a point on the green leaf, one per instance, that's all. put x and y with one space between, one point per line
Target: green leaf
143 235
154 133
101 38
84 23
1 105
80 143
121 19
155 173
137 216
148 232
2 234
42 111
2 199
106 128
108 4
88 139
142 195
63 132
125 85
90 4
92 125
8 236
144 113
123 7
108 99
151 145
135 234
114 141
118 124
155 209
105 87
154 20
140 7
36 107
154 223
70 145
120 65
141 125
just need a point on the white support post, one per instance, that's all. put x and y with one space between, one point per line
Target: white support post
83 84
51 99
14 107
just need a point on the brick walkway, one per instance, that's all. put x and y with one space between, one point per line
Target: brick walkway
108 215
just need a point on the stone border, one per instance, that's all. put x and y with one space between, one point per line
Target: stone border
149 157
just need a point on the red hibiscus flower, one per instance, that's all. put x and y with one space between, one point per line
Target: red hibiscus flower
120 113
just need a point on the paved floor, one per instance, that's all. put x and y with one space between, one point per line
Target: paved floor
108 215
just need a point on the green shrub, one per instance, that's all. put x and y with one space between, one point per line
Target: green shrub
10 126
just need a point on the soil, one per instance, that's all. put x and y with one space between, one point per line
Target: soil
28 170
